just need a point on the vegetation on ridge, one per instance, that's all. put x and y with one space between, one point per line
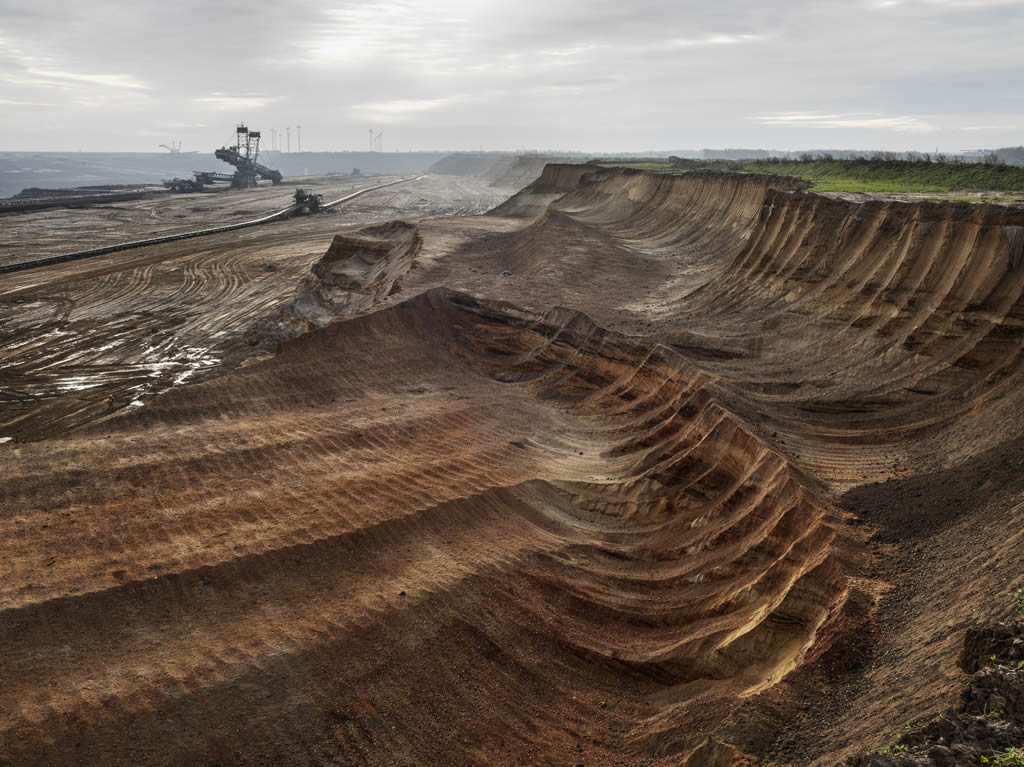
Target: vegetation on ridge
882 175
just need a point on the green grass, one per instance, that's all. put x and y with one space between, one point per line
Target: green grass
641 165
895 176
1012 757
1002 183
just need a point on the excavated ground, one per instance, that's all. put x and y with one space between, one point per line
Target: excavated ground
634 470
133 323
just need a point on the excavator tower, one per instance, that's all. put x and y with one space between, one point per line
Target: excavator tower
244 156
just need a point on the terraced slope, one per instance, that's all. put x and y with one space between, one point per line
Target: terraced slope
502 517
561 487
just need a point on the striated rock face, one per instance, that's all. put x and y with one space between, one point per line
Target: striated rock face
357 271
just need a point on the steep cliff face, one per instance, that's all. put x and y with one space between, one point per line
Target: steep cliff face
555 180
861 325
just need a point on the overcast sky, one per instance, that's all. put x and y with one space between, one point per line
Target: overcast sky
589 75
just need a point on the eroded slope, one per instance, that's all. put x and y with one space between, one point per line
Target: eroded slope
505 536
464 526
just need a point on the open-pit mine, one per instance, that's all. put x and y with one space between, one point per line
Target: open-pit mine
619 468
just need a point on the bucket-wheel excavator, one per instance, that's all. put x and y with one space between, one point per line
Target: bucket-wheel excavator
243 155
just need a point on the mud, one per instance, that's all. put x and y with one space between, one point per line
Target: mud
172 313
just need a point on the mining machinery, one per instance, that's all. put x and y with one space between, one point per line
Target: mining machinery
201 179
183 184
243 155
208 178
308 202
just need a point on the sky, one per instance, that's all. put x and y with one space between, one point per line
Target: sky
584 75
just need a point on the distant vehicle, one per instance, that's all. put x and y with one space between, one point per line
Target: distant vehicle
309 201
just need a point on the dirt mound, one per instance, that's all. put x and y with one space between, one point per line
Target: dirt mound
467 163
516 172
356 272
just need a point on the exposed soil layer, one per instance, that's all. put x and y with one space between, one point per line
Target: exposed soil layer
987 726
634 470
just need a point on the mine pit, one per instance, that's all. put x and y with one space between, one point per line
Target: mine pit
550 464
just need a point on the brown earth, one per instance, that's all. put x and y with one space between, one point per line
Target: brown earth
133 323
636 470
987 725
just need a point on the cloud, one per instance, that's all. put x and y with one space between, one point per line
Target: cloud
409 34
594 75
1014 124
106 81
575 50
725 39
943 5
13 103
225 101
398 110
871 121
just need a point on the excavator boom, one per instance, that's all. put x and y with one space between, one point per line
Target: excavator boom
243 156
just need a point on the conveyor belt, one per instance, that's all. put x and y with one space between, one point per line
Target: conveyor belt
283 213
